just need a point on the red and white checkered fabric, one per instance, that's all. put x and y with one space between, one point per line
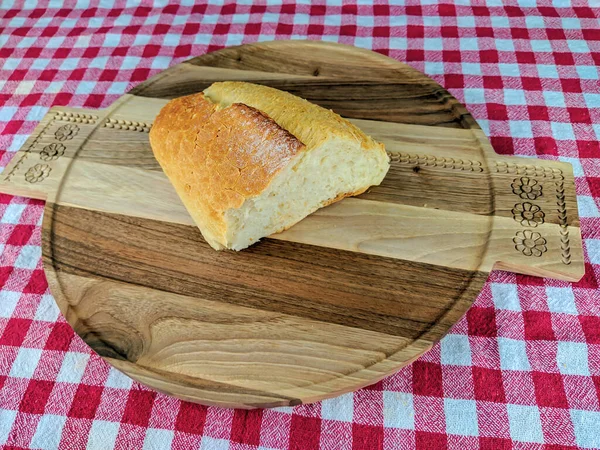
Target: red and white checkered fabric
521 370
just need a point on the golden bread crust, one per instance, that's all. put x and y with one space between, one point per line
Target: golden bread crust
216 157
310 123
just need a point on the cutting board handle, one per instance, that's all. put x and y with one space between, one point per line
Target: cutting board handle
535 227
38 167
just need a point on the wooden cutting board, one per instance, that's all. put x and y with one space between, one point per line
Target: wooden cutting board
339 301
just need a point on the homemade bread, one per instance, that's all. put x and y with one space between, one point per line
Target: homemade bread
249 161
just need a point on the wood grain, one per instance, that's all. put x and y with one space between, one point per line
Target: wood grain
342 299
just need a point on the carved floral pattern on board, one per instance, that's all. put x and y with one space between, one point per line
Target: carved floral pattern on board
37 173
530 243
528 214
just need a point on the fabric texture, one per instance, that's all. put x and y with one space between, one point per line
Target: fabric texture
520 370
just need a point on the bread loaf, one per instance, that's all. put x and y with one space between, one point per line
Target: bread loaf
249 161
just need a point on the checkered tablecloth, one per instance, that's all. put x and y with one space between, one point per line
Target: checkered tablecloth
521 370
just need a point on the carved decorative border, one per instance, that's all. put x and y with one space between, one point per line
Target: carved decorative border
557 176
39 172
27 151
437 161
75 117
129 125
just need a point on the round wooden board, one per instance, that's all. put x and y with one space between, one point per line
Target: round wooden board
330 306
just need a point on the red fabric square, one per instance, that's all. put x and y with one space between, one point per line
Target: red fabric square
37 283
427 379
449 31
481 321
86 401
305 433
415 31
549 390
594 183
191 418
538 325
530 280
585 12
488 385
451 56
415 55
413 10
21 233
579 115
531 83
545 146
245 427
588 149
591 34
15 331
588 281
484 32
139 407
367 437
503 145
5 274
36 396
489 56
490 443
591 328
595 379
564 59
447 10
538 112
454 81
60 337
497 111
428 441
519 33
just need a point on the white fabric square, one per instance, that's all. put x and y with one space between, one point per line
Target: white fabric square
555 99
538 45
433 44
562 131
48 432
208 443
587 72
525 424
586 424
572 358
7 418
576 163
8 302
506 296
561 300
25 363
474 96
73 367
578 46
592 100
547 71
593 250
338 408
514 97
102 435
513 354
587 207
455 350
117 380
158 439
520 129
47 310
461 417
29 257
398 410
